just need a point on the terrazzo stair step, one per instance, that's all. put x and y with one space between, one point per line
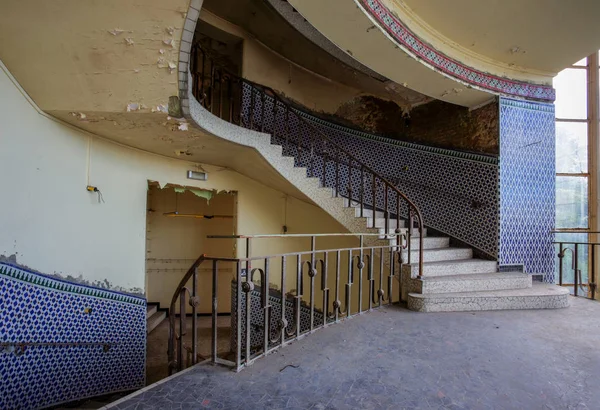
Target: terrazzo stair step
437 255
367 213
455 267
392 232
380 223
151 309
538 296
289 161
328 191
470 283
430 242
155 320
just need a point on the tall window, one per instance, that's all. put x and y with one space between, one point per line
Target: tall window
572 148
572 168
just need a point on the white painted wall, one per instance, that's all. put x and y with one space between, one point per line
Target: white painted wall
53 225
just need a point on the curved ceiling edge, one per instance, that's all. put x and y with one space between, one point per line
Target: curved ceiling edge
440 62
295 19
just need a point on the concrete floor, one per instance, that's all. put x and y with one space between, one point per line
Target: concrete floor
395 359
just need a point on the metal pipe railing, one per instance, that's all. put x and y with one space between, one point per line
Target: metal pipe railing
298 316
307 141
576 249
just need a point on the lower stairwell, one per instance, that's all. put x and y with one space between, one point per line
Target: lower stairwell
154 316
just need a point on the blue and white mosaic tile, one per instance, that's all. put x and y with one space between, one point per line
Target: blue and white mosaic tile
60 341
527 186
457 192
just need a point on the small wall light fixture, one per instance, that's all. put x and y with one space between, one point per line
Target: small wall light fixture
200 176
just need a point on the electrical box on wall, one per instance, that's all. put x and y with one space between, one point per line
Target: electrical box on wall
200 176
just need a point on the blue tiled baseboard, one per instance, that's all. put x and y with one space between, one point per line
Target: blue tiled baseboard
61 341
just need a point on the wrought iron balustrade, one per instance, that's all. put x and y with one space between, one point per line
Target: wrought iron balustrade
580 274
260 108
278 299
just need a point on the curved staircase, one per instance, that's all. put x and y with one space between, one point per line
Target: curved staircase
448 278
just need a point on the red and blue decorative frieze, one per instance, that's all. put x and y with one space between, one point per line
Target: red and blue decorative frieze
450 67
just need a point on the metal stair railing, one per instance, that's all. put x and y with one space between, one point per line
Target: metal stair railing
222 93
314 289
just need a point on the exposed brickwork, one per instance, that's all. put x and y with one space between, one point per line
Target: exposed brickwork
436 123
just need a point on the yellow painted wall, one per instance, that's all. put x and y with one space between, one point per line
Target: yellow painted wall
74 55
51 223
263 66
174 243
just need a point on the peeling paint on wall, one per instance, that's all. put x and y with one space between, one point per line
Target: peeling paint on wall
102 284
436 123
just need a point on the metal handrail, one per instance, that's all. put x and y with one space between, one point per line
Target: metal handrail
220 74
312 267
180 293
577 276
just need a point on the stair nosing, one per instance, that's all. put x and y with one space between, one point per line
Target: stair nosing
473 276
492 293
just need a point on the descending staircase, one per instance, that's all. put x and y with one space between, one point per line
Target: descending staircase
452 279
154 316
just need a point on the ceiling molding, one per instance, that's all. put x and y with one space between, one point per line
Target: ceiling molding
419 49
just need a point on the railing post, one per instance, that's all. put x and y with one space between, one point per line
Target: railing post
421 251
576 269
221 94
238 313
371 279
212 87
374 204
361 265
336 303
230 98
380 291
287 125
299 293
337 173
274 115
283 320
325 289
324 170
560 264
266 306
362 189
252 103
386 213
262 111
215 285
312 155
201 96
311 273
350 188
195 317
592 274
182 329
349 284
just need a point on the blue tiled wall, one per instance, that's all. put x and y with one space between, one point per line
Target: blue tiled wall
443 183
61 341
527 185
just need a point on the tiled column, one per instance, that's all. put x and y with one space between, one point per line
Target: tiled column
527 186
